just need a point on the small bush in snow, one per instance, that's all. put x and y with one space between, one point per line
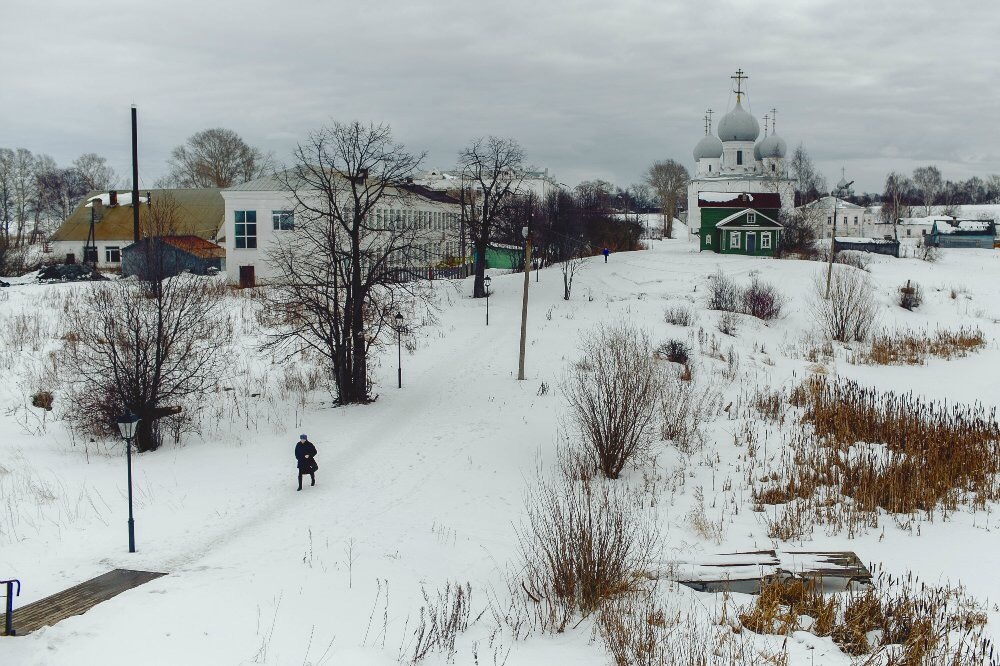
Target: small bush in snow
680 315
729 323
723 293
763 300
910 296
850 314
675 351
612 395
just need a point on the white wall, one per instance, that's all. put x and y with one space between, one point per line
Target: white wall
61 248
442 235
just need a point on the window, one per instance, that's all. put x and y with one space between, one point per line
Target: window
773 169
710 168
845 219
708 239
855 219
739 157
734 239
246 230
113 254
751 218
283 220
765 240
829 220
908 232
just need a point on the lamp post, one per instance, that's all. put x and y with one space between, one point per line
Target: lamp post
399 348
836 193
524 303
127 423
486 282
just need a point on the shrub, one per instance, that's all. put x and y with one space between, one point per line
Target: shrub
729 323
763 300
42 399
612 394
910 296
680 315
723 293
675 351
582 544
909 348
850 313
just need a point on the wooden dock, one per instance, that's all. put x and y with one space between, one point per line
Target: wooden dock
76 600
743 572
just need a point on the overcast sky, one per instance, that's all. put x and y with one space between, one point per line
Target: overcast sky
590 89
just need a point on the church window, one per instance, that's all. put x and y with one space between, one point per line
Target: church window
772 168
734 239
765 240
709 168
739 157
855 219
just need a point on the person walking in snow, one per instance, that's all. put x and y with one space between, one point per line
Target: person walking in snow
305 454
605 252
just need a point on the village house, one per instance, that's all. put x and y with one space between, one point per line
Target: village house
963 233
101 226
852 220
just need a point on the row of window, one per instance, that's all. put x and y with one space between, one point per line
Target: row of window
245 235
829 220
734 239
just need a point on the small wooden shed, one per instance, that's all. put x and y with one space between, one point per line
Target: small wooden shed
167 256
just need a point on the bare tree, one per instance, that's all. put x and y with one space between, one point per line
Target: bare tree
669 180
612 393
6 193
570 266
895 198
95 172
928 180
492 169
151 354
216 158
809 183
24 192
339 287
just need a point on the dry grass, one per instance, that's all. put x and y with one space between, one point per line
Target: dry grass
866 452
902 619
915 347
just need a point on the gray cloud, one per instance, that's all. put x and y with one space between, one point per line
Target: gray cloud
591 89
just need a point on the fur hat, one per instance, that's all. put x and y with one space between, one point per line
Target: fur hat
303 437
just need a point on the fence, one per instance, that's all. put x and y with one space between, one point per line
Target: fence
413 273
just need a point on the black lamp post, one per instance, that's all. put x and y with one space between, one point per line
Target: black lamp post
486 281
399 347
127 423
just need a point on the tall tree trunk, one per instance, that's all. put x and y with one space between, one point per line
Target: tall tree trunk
479 267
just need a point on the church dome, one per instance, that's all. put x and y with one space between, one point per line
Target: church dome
738 125
843 184
709 147
756 150
773 146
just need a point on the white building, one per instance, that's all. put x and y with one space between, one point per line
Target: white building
257 213
538 183
852 219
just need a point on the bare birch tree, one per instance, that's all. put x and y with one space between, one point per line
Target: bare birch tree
341 267
928 180
895 200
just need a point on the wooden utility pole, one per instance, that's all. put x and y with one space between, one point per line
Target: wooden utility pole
524 301
135 179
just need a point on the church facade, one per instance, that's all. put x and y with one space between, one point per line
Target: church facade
741 185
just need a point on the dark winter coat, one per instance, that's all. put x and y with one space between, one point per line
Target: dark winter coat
302 450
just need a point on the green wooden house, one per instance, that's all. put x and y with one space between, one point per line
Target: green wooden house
739 223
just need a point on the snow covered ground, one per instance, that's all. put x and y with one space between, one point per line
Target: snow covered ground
426 485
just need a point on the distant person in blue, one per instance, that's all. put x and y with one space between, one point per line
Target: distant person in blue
605 252
305 454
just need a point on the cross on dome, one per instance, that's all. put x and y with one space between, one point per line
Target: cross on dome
740 77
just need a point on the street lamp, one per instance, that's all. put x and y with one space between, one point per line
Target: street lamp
399 347
486 281
127 423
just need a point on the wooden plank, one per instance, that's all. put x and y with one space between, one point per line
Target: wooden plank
744 571
77 600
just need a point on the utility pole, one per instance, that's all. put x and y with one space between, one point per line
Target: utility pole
524 302
135 179
833 233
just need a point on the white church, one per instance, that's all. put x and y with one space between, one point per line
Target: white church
741 185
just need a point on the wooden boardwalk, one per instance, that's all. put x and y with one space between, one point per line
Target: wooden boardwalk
76 600
743 572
